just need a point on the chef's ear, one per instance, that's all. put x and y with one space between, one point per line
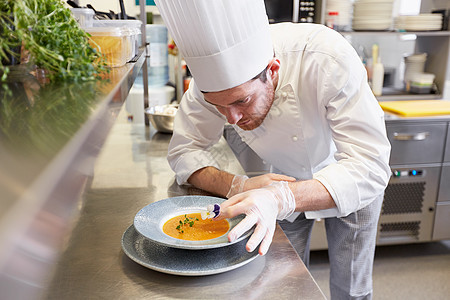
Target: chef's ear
274 66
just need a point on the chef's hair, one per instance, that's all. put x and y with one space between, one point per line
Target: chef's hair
262 76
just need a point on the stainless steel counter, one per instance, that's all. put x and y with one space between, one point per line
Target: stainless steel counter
50 136
131 172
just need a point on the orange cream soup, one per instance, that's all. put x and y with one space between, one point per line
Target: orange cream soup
200 231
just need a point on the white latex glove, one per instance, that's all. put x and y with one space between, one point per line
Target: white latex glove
262 207
237 185
242 183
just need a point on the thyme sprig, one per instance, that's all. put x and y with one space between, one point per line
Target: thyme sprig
188 221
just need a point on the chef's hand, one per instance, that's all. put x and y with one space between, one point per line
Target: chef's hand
242 183
262 207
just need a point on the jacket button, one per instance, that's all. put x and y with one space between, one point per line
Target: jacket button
284 94
295 138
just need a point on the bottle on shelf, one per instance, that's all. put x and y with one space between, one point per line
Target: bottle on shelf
332 19
377 78
377 72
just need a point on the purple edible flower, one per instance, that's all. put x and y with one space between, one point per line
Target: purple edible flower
211 212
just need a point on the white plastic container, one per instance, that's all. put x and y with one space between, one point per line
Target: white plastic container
113 42
133 26
414 64
421 83
84 16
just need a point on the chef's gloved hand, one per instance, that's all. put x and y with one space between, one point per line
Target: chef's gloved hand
242 183
237 185
262 207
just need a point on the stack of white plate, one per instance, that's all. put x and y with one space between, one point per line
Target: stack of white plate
372 14
422 22
344 8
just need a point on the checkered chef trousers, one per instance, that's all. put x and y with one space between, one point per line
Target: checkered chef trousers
351 249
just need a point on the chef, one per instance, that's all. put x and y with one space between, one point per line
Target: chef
297 94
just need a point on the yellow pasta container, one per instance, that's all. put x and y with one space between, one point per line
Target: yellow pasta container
113 42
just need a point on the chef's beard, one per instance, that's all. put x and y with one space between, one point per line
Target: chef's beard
258 116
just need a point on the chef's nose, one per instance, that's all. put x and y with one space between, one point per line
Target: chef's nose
233 114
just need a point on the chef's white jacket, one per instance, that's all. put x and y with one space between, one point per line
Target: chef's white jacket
324 124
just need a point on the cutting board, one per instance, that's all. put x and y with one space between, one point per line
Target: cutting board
417 108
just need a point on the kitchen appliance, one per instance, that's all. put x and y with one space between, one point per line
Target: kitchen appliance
307 12
291 11
410 199
407 214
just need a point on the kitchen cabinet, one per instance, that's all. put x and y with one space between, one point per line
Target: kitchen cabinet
444 187
442 223
409 204
447 147
442 220
416 143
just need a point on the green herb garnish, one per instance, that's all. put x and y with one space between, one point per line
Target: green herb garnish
187 221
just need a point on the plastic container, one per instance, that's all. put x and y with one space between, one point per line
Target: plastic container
156 35
421 83
84 16
134 27
131 50
113 42
414 64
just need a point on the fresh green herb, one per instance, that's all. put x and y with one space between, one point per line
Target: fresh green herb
50 34
187 221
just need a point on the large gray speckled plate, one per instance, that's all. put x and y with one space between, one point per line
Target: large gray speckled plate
150 220
184 262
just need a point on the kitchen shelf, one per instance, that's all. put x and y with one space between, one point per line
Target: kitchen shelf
391 94
435 43
399 33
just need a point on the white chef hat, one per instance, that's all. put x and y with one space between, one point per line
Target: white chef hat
224 42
